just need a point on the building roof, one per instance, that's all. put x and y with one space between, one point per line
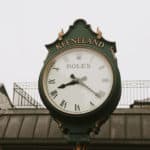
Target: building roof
5 102
37 126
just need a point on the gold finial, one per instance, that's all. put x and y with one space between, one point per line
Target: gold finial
99 33
80 147
60 34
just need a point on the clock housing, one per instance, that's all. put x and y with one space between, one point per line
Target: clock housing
80 90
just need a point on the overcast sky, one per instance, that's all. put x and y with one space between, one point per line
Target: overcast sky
27 25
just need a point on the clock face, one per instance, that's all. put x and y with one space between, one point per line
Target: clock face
78 81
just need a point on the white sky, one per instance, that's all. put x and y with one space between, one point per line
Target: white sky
27 25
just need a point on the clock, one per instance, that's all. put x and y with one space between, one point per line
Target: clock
77 81
80 81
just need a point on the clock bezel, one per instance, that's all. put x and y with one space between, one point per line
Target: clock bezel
50 65
107 104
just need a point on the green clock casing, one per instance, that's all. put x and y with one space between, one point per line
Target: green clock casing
80 80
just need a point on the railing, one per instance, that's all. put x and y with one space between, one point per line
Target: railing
25 95
137 92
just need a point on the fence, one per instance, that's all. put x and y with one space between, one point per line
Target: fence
25 94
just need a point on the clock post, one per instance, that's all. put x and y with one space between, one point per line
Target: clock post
80 82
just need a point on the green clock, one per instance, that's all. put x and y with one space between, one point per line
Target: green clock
80 80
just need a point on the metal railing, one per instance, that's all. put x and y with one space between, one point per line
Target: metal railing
136 92
25 95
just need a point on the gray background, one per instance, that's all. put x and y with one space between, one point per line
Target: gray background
27 25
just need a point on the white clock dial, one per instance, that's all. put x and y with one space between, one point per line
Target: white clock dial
78 81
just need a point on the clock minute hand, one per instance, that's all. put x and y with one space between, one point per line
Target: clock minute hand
84 85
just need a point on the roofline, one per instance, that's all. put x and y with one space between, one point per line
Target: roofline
44 111
63 142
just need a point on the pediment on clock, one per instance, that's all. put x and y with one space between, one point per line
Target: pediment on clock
80 33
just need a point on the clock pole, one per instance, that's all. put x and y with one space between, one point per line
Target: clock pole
80 147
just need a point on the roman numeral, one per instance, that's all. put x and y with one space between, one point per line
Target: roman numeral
77 107
92 104
79 56
55 68
51 81
63 104
101 67
54 94
105 80
101 93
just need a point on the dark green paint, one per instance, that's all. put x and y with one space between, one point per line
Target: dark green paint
78 127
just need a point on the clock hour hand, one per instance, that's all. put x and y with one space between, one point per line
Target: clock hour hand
68 84
73 82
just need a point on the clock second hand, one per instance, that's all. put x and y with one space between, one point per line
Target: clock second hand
84 85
